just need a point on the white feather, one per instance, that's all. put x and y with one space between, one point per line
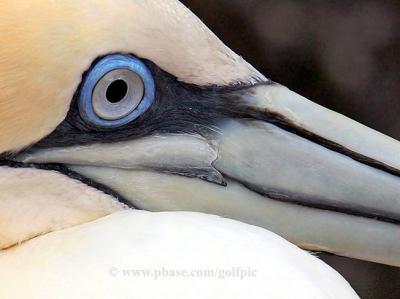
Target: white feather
104 259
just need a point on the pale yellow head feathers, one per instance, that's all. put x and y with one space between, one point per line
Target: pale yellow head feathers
34 202
47 45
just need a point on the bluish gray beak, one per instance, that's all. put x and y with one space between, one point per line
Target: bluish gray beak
315 177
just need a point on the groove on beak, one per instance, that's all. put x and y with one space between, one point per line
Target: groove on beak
297 152
286 167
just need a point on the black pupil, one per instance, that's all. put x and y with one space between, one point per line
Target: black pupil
116 91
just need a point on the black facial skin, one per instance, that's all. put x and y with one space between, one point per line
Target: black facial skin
182 108
178 108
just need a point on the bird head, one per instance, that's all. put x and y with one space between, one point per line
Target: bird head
142 101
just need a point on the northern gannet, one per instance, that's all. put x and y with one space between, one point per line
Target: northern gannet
108 106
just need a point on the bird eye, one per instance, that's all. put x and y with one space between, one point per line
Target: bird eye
117 90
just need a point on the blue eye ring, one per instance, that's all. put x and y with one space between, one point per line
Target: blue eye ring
103 67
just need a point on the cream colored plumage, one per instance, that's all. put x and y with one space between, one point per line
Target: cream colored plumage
61 237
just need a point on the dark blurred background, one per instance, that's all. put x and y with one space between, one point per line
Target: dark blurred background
343 54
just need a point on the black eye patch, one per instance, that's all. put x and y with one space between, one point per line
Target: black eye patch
178 108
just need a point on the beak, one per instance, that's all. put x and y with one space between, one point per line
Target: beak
317 178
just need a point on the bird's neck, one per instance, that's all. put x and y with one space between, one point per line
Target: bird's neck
34 202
